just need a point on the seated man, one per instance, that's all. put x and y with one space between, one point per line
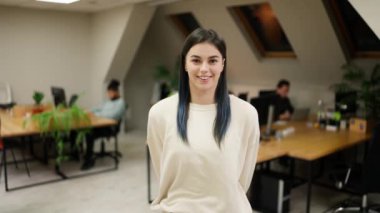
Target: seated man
113 108
283 107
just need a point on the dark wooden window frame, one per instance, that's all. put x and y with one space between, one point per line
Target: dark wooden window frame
342 31
255 39
178 23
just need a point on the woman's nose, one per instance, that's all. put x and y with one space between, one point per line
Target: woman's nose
204 67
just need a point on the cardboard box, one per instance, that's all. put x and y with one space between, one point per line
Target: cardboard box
360 125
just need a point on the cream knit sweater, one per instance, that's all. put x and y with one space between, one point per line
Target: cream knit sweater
202 177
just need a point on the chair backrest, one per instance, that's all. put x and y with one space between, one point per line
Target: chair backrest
59 96
371 179
116 128
243 96
5 93
73 100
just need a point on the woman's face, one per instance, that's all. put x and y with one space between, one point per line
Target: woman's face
203 64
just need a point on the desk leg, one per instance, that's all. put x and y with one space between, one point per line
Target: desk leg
5 165
148 170
291 170
309 183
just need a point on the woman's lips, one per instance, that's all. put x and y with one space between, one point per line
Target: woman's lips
204 77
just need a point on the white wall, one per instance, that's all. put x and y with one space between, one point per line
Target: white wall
134 31
158 47
116 35
77 51
41 48
107 28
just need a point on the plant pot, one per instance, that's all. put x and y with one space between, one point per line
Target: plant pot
37 109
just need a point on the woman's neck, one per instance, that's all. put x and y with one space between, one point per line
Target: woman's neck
202 97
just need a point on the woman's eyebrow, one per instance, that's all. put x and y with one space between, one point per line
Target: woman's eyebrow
211 57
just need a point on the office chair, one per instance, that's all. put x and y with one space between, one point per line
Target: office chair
243 96
59 96
369 180
5 96
113 134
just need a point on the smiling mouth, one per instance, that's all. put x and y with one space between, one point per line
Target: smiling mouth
204 77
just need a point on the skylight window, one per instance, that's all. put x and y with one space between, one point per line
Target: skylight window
263 30
185 22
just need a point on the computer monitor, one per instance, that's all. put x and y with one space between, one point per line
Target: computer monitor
263 93
262 106
265 110
345 102
59 96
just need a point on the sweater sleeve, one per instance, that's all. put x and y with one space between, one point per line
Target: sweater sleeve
155 140
251 151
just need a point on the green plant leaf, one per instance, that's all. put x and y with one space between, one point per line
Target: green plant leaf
352 73
162 73
342 87
38 97
58 123
375 75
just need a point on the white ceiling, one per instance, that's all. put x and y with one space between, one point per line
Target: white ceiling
82 5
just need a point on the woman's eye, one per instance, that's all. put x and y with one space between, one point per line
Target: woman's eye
213 61
195 60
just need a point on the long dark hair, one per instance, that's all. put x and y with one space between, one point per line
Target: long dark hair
223 115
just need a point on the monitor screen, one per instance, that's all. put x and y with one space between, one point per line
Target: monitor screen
262 106
345 102
58 96
263 93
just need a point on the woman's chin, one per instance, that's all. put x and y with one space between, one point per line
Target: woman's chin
205 87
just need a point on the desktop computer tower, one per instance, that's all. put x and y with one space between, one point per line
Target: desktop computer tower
270 192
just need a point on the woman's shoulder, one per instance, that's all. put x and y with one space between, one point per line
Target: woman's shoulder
164 106
242 107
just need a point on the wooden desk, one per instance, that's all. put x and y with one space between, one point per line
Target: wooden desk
309 144
270 150
12 127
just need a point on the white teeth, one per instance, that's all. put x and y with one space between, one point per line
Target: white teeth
204 77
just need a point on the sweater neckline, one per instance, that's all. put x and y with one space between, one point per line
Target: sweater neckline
202 107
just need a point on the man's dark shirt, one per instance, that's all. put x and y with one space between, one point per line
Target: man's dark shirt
281 105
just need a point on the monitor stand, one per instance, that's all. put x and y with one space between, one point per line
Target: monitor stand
268 130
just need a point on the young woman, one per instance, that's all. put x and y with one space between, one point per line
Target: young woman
203 142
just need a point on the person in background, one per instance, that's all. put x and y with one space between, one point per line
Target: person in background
283 108
114 109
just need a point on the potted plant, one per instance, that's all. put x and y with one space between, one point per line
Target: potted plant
166 81
367 90
37 97
58 123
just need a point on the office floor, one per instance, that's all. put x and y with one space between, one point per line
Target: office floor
124 190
